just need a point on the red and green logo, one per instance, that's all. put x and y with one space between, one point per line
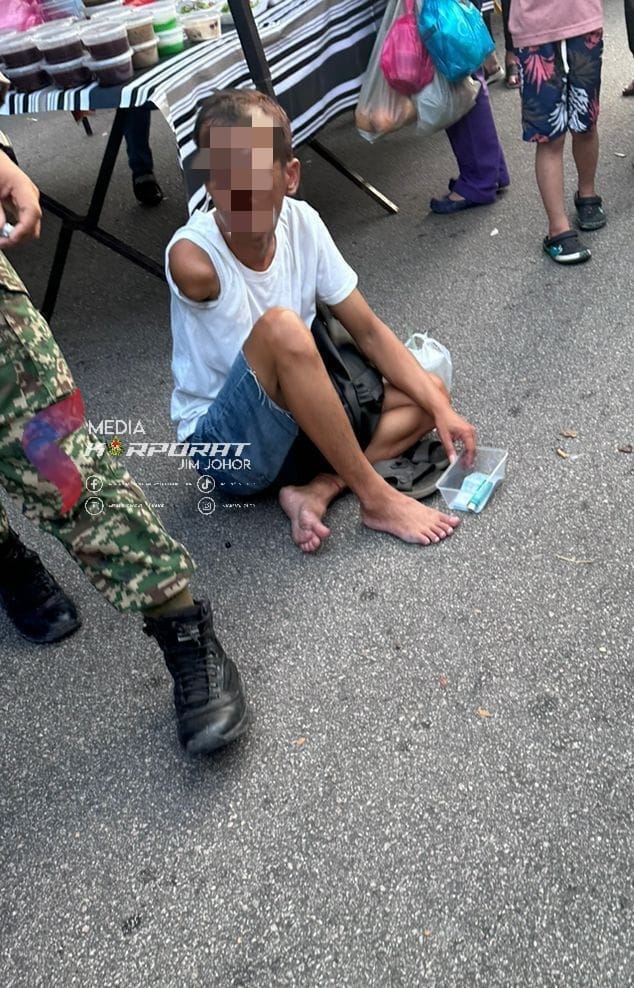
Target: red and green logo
115 448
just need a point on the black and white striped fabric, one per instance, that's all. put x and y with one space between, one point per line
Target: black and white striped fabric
317 52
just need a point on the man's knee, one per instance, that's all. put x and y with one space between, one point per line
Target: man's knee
285 333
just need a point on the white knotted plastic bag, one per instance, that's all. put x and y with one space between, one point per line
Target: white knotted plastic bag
443 103
432 356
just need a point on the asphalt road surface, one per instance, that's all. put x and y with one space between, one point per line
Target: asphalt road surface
437 786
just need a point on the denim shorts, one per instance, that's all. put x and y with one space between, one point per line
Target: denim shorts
560 84
243 415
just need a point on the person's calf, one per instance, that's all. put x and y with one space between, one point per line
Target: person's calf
549 171
585 151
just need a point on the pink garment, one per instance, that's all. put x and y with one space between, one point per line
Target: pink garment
536 22
20 15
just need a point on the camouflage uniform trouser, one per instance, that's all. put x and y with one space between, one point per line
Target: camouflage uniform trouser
124 551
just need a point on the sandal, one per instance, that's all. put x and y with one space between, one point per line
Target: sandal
590 212
566 248
512 80
428 451
416 480
494 74
628 90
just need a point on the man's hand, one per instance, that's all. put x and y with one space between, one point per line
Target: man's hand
20 196
451 426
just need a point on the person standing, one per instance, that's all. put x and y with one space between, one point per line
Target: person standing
560 47
48 466
629 24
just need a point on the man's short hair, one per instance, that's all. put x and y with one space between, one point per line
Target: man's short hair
234 107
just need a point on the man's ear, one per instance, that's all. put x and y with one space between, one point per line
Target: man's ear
293 174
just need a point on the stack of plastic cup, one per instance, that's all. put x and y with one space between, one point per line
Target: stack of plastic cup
52 10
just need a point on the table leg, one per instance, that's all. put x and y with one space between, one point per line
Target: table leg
57 268
89 224
353 176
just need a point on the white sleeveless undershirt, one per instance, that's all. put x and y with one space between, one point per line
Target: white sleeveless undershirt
207 336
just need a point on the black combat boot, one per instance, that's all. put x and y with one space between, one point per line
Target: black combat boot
210 705
32 597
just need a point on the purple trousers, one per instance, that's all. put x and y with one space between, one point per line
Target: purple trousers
475 143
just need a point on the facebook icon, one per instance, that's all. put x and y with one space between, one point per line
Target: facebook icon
94 484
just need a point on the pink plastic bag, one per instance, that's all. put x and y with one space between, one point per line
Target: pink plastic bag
405 62
19 15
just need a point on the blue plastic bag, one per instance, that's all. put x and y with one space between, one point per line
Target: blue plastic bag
455 36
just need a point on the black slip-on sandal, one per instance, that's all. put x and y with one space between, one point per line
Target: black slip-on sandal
590 212
566 248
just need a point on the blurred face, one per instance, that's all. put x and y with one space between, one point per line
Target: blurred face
247 185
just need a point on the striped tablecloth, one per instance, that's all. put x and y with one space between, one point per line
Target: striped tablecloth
316 60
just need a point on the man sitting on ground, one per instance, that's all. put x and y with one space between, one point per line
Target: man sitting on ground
244 280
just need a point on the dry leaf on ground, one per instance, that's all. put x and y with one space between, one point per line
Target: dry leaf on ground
481 712
562 453
568 433
443 681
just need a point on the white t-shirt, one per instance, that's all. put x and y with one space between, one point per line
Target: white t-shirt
207 336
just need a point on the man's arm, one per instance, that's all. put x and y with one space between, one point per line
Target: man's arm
193 272
21 197
402 370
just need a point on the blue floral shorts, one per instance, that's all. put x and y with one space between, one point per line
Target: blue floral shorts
560 85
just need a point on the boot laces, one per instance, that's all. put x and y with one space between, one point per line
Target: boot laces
198 668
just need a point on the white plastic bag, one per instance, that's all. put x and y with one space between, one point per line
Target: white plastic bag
380 109
443 103
432 356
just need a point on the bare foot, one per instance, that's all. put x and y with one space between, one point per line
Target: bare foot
306 506
408 520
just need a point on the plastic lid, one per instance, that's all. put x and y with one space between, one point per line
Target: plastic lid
59 38
105 63
206 16
52 27
169 37
146 44
21 41
138 15
75 63
25 70
109 31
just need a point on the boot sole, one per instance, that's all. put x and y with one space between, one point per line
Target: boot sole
209 740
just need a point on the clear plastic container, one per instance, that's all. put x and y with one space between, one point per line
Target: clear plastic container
489 465
113 71
54 27
19 50
61 46
29 78
202 25
105 40
70 75
146 55
171 43
140 28
164 16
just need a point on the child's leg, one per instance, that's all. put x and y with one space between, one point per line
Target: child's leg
549 170
585 150
585 57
